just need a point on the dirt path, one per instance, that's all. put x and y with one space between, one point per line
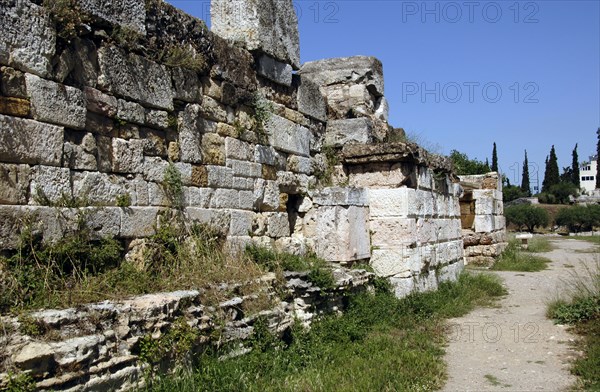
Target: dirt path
513 347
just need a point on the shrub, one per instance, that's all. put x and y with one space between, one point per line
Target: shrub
562 192
579 218
527 216
512 192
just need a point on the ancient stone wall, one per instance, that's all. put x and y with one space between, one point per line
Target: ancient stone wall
98 347
482 217
99 118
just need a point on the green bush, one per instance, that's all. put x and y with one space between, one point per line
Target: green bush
526 215
512 192
562 192
579 218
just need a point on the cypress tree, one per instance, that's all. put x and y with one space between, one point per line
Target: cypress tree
525 186
575 166
552 175
494 159
598 157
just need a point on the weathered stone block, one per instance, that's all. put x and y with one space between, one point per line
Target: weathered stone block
82 155
266 195
237 149
130 14
197 197
187 85
270 26
278 225
310 99
28 141
219 177
267 155
104 222
135 77
128 155
380 175
342 233
213 149
337 196
241 223
347 131
50 183
245 169
103 189
484 223
225 198
218 219
55 103
138 222
215 111
131 111
342 70
157 119
298 164
274 70
98 102
287 136
14 183
390 232
391 202
28 38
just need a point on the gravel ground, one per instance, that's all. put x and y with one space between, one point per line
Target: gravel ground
513 347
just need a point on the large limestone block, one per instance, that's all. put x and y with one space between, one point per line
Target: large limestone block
288 136
126 13
55 103
484 223
394 261
50 183
311 101
397 202
393 232
137 222
337 196
270 26
347 70
135 77
342 233
353 130
28 40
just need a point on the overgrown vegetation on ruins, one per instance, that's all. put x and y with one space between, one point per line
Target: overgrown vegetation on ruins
513 258
580 308
379 343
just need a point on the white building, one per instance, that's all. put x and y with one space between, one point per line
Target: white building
587 171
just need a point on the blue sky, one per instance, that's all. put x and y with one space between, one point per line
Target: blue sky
523 74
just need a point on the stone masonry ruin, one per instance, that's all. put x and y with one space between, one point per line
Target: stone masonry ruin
298 157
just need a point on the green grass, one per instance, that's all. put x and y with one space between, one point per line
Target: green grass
539 245
580 307
515 259
379 343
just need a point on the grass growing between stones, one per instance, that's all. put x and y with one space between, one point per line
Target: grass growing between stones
581 308
539 245
80 268
379 343
516 259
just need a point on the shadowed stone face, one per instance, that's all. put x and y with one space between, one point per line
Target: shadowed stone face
270 26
